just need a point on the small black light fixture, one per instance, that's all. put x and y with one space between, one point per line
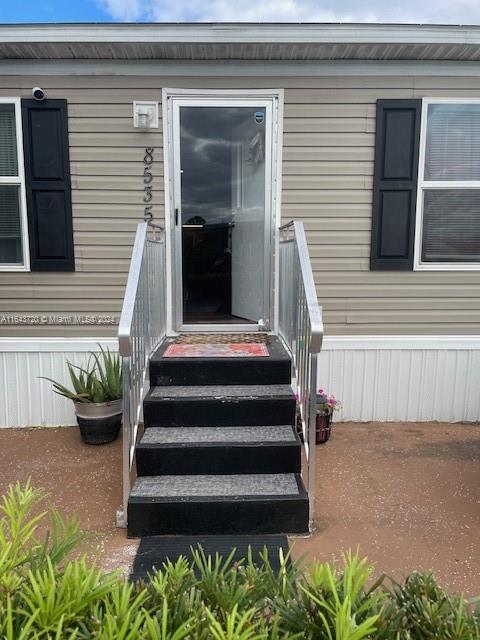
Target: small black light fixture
38 94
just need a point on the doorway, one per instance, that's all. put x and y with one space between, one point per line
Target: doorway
222 211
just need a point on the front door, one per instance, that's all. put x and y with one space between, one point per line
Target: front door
222 213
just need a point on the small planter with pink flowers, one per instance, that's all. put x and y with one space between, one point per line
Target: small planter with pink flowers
326 405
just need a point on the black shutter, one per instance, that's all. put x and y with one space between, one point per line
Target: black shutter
47 174
395 184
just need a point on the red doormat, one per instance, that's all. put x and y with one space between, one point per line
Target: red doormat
204 350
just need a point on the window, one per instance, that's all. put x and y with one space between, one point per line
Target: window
448 207
13 226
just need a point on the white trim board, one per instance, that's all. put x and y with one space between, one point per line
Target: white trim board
55 345
228 68
354 343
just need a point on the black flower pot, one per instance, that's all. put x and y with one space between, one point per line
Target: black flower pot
99 422
99 430
323 427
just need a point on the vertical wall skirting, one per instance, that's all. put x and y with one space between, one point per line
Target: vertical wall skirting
403 378
27 400
385 378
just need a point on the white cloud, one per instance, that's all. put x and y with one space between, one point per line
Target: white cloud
428 11
124 10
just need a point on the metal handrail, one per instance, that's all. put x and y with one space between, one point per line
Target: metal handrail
141 329
301 329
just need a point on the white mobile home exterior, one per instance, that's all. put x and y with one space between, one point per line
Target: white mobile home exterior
400 344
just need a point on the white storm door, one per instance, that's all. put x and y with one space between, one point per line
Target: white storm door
250 213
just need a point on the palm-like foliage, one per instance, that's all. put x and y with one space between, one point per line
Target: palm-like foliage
45 596
99 381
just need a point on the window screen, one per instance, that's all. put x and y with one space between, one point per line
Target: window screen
10 227
451 209
451 225
8 141
11 249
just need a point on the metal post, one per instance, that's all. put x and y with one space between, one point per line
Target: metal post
141 329
312 418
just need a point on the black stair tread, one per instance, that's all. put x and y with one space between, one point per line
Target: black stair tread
220 392
218 504
214 487
274 368
211 436
154 551
276 351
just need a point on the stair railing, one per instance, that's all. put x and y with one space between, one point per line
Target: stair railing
301 329
141 329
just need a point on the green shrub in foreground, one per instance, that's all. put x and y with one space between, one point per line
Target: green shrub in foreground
45 595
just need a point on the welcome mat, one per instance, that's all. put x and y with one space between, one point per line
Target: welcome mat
154 551
216 350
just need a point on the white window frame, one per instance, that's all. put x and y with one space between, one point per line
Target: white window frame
19 181
437 184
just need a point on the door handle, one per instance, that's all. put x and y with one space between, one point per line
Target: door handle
176 216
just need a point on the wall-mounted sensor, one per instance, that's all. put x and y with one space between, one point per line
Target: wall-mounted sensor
145 115
38 94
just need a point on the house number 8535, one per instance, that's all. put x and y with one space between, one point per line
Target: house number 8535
147 181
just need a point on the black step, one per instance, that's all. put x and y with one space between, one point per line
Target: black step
210 405
272 369
154 551
218 450
218 504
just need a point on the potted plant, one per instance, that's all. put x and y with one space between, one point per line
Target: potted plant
326 405
96 395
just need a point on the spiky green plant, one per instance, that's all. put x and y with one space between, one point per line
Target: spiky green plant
99 381
109 369
46 596
420 609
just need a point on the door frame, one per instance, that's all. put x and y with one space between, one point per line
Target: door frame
172 99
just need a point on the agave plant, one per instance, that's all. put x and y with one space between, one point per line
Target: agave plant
99 381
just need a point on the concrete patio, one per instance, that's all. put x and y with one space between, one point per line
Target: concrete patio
407 494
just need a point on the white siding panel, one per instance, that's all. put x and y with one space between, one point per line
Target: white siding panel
27 399
407 378
386 379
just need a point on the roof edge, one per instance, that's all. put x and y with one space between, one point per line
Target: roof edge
301 33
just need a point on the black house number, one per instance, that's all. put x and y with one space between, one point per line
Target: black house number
147 181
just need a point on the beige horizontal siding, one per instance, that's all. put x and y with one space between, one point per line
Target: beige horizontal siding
329 125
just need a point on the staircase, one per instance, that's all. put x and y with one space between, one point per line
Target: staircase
219 452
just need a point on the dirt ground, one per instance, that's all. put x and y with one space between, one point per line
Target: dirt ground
407 494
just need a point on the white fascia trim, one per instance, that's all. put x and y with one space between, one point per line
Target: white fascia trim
330 343
401 342
255 68
65 345
306 33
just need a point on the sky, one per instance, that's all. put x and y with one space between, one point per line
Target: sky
413 11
